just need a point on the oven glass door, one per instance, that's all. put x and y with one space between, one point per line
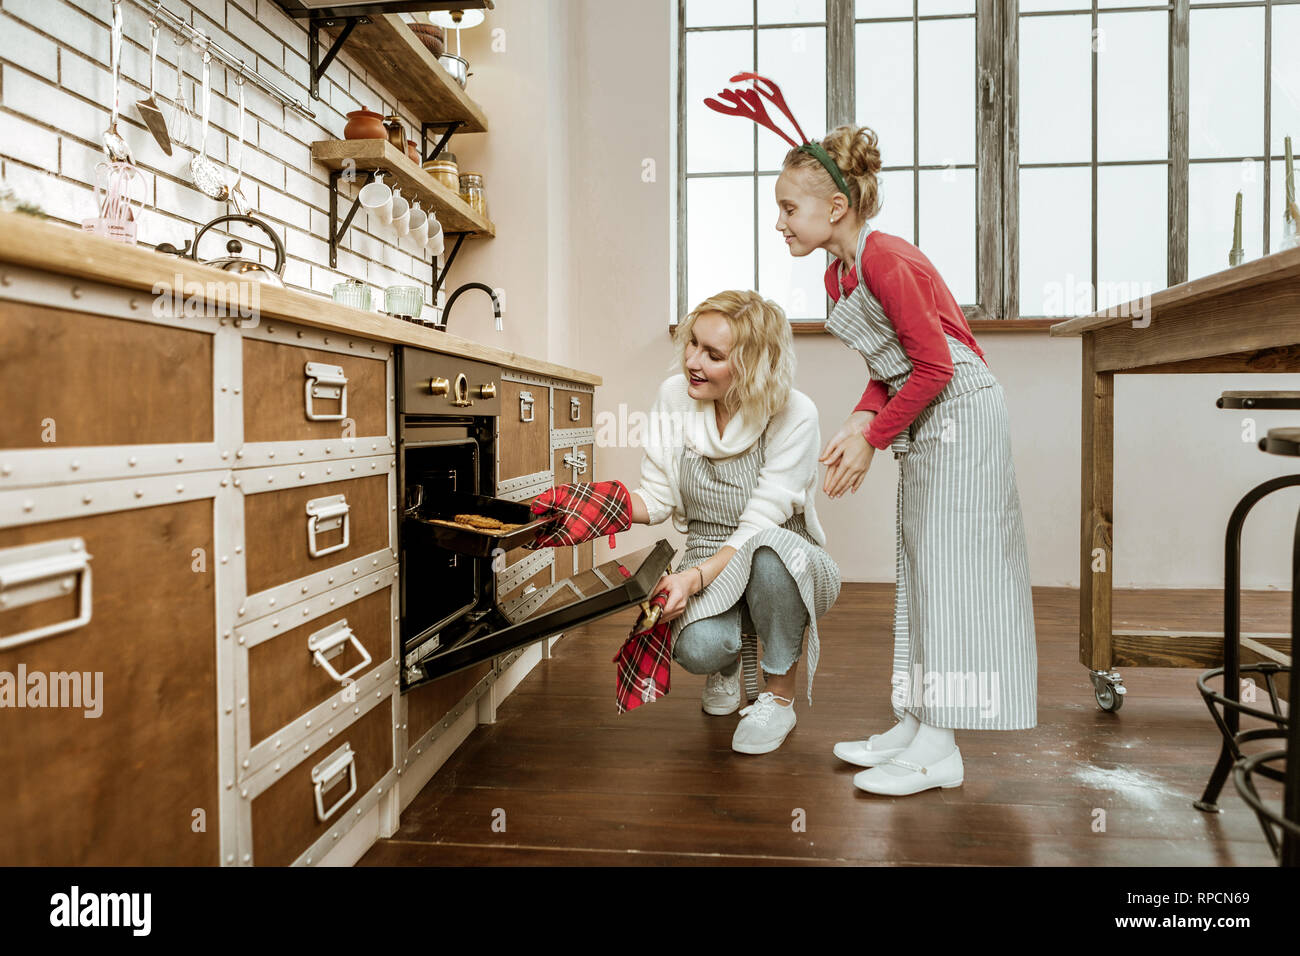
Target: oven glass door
617 585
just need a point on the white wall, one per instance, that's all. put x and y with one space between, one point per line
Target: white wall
1180 462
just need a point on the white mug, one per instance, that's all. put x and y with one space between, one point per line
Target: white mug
419 226
400 214
436 243
377 199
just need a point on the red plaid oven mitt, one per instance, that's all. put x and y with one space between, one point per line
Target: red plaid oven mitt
644 664
582 511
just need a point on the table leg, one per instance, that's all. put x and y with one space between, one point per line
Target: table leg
1096 507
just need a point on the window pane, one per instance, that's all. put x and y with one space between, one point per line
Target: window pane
1133 86
716 143
1056 242
884 87
796 60
719 13
1226 107
947 92
719 236
896 194
791 11
1132 232
794 283
1211 197
929 7
948 228
1055 89
1286 78
882 8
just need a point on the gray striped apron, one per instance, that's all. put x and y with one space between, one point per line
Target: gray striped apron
965 653
715 493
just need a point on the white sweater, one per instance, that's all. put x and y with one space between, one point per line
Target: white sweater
786 484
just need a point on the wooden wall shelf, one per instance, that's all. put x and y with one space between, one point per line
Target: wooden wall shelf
368 154
394 56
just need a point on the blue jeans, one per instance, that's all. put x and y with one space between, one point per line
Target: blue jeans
773 605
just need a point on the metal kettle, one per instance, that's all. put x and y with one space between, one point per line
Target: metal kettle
244 268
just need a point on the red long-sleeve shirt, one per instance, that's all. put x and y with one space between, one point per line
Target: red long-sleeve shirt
921 308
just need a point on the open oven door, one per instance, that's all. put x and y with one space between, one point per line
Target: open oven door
617 585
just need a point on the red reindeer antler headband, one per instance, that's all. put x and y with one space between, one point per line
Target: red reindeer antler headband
749 104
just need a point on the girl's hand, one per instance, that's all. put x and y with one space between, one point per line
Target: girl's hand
855 425
679 587
852 459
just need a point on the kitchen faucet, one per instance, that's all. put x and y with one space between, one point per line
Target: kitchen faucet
496 304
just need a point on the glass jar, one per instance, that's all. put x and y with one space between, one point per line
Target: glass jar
353 293
445 171
471 190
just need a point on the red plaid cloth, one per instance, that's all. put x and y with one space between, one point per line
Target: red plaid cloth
583 511
644 664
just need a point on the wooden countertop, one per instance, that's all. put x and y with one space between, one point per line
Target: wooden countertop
1277 266
58 248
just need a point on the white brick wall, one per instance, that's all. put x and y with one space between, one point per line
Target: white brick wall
55 89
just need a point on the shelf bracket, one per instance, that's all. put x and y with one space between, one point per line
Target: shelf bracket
451 127
319 65
440 277
336 236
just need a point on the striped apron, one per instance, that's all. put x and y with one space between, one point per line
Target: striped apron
715 493
965 654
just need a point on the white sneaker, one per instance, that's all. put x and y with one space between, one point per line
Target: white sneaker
721 694
864 753
764 727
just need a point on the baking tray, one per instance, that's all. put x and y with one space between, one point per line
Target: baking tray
422 526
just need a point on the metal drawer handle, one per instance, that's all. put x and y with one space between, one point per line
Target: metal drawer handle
326 381
326 514
328 642
575 409
577 461
39 572
327 773
525 406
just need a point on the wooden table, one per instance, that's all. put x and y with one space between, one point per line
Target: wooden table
1244 319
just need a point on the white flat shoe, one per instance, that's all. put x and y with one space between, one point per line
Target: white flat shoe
861 753
946 773
721 694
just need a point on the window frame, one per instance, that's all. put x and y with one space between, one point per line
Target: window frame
997 207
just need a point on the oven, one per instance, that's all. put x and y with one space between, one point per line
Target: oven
447 424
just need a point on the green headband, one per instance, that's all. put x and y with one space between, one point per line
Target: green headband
817 150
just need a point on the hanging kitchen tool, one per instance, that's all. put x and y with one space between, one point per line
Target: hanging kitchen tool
246 268
148 107
181 124
115 147
118 215
233 194
208 176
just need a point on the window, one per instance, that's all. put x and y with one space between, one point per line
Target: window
1037 152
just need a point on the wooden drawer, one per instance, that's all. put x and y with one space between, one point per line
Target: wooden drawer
429 703
122 788
284 679
285 816
572 408
566 473
139 383
277 388
276 523
538 580
525 446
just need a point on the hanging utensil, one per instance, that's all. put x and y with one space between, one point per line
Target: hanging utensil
148 107
115 147
208 176
233 193
181 124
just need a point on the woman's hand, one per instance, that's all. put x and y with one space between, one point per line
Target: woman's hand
680 587
847 456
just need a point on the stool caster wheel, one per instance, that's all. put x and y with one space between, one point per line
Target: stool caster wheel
1109 689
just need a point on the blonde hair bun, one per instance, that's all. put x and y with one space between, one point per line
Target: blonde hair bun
856 151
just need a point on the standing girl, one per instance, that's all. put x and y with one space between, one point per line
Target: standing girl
964 644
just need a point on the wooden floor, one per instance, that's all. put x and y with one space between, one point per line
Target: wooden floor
581 785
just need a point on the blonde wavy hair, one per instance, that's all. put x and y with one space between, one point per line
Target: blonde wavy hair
856 153
762 351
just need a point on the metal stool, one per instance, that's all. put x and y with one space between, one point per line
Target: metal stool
1288 821
1279 441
